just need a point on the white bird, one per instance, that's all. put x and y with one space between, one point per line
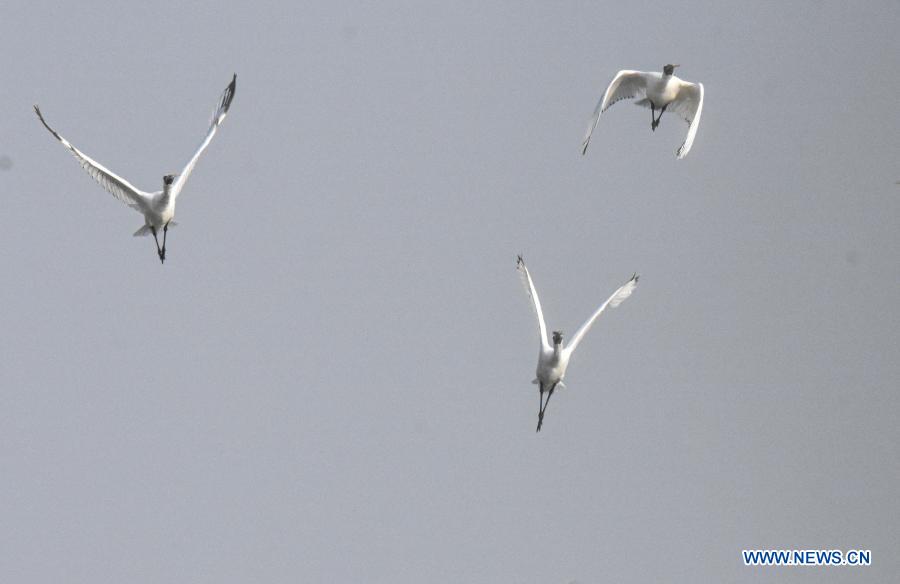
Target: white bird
554 359
656 91
158 207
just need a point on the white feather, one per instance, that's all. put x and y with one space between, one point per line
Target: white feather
653 89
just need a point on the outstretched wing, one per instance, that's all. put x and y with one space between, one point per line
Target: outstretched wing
116 185
625 85
616 299
218 117
689 105
532 293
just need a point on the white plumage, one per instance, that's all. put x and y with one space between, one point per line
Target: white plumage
158 208
553 359
655 91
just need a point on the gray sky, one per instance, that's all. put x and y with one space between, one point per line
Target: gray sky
329 378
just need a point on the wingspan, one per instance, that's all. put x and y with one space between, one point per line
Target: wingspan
616 299
532 293
689 105
625 85
218 117
116 185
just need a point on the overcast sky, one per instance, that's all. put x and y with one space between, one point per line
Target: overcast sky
329 379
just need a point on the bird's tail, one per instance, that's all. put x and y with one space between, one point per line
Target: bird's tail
643 102
145 230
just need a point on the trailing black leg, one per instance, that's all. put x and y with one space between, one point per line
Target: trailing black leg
544 408
541 409
661 112
162 255
549 395
158 249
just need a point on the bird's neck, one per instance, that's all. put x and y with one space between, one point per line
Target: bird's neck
557 349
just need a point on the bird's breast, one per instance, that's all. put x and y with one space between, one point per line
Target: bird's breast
163 210
169 211
551 368
663 91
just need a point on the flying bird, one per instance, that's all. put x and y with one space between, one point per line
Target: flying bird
554 359
158 208
657 91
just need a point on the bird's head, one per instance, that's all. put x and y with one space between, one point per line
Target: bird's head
169 179
669 69
557 338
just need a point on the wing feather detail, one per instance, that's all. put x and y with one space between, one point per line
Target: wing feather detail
536 303
689 105
618 297
113 183
626 84
217 118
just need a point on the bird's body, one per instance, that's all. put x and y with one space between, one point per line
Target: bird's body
657 91
551 368
662 89
162 210
553 359
158 208
159 212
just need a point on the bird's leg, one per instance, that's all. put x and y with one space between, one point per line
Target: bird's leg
158 250
541 410
549 395
544 409
653 122
162 255
661 112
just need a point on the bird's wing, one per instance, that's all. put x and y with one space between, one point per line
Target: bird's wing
626 84
218 116
689 105
532 293
116 185
616 299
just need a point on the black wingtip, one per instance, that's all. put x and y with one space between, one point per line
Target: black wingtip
40 116
520 260
228 95
635 277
